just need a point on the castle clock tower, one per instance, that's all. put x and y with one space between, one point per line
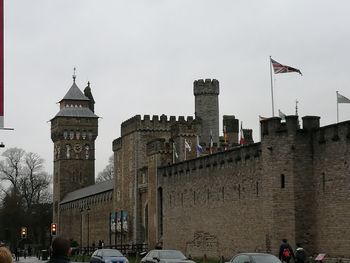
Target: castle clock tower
73 131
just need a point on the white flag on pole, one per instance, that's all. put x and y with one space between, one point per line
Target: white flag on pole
342 99
282 115
187 145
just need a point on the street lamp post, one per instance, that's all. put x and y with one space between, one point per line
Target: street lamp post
81 229
88 229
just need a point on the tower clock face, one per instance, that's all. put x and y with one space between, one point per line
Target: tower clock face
77 148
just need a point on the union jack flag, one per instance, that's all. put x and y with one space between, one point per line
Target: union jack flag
279 68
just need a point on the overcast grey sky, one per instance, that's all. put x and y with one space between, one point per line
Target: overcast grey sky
142 57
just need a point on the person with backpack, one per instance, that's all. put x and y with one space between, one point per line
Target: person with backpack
300 255
285 251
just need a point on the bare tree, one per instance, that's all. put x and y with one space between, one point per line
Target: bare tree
26 197
25 172
34 181
11 167
108 171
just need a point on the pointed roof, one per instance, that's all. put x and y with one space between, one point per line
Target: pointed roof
76 112
74 93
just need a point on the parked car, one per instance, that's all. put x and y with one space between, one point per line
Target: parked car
106 255
254 258
165 256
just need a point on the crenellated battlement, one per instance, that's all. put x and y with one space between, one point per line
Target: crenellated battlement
158 146
273 126
207 86
117 144
332 133
156 123
234 157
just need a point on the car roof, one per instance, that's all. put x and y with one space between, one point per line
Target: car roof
107 249
165 250
253 253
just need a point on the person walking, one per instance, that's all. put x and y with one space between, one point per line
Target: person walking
285 251
5 255
16 254
300 255
60 250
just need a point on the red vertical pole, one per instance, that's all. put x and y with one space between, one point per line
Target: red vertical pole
2 64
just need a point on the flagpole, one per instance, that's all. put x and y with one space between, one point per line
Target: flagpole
337 107
173 153
273 109
185 149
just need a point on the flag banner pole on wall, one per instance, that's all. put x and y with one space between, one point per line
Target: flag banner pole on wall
273 108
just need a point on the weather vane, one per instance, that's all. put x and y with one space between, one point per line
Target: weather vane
74 75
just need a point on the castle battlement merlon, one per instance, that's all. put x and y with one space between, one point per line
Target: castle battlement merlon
235 156
206 86
117 144
158 146
332 133
311 122
156 123
273 126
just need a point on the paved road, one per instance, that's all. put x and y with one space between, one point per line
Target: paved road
33 260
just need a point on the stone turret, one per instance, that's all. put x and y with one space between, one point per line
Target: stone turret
230 126
207 109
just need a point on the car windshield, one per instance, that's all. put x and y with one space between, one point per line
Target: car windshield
171 254
111 253
265 259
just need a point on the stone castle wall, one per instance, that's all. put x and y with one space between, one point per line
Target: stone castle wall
331 146
87 219
294 184
130 155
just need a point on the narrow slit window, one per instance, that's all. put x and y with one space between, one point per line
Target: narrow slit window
323 182
283 181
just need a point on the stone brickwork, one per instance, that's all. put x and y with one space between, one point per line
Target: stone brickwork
295 184
86 220
206 94
74 130
131 192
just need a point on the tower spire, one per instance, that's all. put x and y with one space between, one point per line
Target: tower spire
74 75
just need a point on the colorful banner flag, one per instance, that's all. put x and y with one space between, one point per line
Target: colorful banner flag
199 148
241 140
225 137
279 68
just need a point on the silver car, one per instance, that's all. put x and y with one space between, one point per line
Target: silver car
165 256
108 256
254 258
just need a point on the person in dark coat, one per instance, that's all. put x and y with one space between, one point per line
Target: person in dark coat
300 255
285 251
60 250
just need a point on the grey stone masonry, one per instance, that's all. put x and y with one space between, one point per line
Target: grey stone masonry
207 108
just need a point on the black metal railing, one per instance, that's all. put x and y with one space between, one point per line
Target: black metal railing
128 250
